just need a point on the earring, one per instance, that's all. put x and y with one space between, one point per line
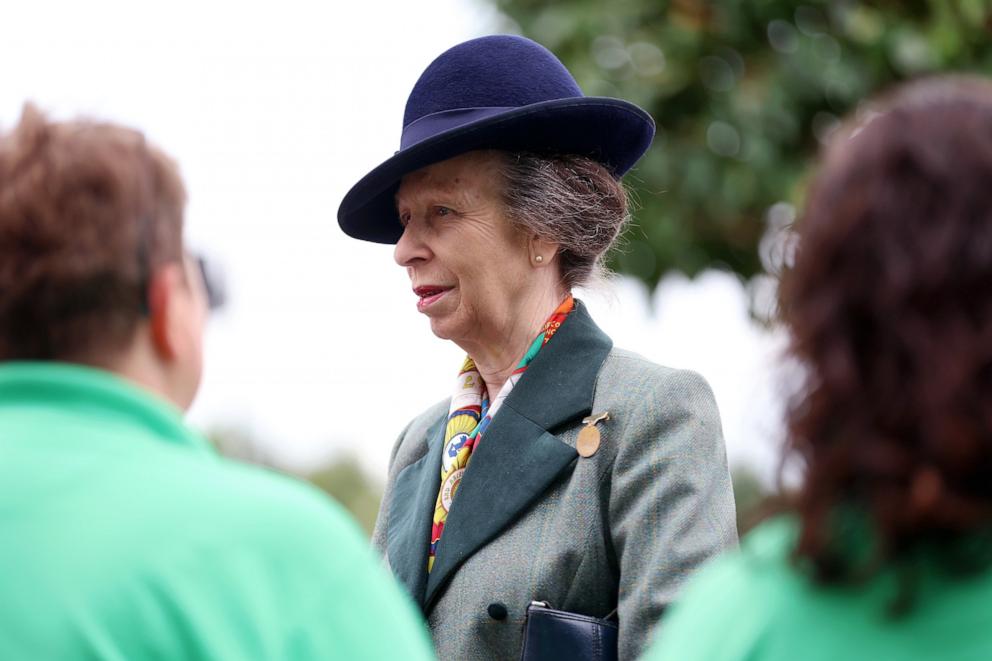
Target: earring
539 259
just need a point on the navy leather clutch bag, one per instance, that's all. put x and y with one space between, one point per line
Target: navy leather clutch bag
554 635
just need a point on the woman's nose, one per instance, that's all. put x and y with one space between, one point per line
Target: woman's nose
410 248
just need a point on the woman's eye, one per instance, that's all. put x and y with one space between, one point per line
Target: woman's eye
442 211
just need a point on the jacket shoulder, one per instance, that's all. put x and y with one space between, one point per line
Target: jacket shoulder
422 422
410 445
629 372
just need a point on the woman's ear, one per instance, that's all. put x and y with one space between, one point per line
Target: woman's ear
542 251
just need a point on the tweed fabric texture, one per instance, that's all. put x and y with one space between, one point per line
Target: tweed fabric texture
621 530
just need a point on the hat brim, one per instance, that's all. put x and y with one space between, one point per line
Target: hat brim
610 131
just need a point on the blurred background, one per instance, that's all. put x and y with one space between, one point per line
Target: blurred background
320 358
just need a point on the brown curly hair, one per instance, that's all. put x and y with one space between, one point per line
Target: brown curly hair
87 210
889 307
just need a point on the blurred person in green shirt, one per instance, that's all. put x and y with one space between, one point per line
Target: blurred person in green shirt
122 535
887 550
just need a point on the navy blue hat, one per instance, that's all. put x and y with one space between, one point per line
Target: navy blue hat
497 92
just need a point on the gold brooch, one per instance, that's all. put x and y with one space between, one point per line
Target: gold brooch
589 438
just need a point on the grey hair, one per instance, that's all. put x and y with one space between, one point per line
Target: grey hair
570 200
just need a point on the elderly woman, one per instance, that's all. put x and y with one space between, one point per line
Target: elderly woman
888 554
560 470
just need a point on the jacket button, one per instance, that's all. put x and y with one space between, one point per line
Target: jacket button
497 611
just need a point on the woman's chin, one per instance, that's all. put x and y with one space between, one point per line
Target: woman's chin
441 329
449 327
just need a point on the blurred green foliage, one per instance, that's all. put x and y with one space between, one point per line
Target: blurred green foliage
743 94
750 495
343 478
347 482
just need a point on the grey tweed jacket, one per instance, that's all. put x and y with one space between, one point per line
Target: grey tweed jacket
532 520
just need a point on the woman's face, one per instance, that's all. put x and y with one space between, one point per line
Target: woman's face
469 267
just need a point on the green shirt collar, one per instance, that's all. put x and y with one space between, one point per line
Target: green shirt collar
88 390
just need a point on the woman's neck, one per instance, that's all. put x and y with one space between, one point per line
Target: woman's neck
497 358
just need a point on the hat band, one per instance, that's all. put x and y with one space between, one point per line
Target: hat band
438 122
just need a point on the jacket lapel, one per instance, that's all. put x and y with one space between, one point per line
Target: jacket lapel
411 509
518 458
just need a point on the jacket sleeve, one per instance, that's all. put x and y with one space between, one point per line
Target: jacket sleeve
671 500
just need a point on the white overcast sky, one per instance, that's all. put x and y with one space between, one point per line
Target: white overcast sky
273 110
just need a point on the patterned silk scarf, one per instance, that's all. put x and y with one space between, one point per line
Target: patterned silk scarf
469 416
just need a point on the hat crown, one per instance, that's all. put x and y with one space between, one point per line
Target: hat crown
494 71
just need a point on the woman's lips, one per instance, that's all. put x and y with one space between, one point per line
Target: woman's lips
429 295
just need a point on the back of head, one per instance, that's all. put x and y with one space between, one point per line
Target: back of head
87 212
889 305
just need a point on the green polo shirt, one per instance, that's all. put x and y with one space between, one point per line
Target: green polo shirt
754 605
123 536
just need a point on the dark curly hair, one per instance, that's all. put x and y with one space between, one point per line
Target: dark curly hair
889 307
87 210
